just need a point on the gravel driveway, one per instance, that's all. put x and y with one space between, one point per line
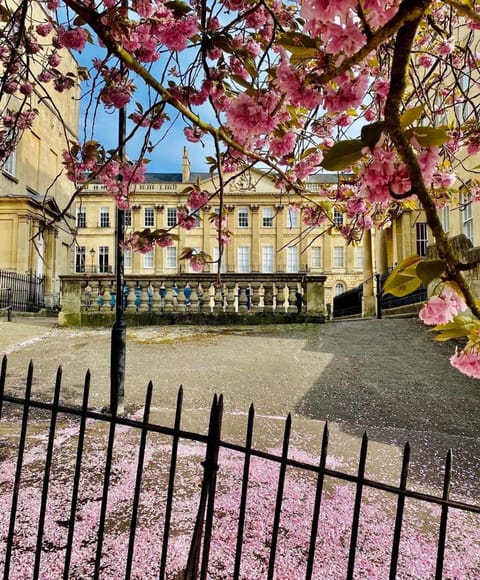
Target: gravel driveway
384 376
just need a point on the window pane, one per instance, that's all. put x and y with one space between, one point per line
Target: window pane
171 261
244 259
267 259
292 217
359 257
127 259
148 217
338 261
81 218
103 259
292 259
243 217
171 217
148 259
104 217
268 217
337 217
127 218
422 238
80 259
316 257
10 163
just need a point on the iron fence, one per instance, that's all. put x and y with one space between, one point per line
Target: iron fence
202 527
6 302
27 290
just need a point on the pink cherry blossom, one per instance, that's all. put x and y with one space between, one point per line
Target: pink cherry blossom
73 38
467 361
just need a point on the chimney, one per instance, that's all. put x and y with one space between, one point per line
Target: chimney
185 167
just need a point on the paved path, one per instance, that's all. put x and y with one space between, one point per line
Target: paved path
384 376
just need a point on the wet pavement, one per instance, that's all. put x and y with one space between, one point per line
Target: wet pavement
384 376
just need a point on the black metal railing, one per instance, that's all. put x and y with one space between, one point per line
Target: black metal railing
27 290
348 303
29 530
6 302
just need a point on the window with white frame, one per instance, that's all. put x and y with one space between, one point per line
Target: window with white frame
316 257
127 218
267 216
243 253
81 217
171 257
445 217
148 259
292 259
148 217
196 217
103 258
216 265
421 238
10 164
467 216
243 217
171 217
292 217
104 217
267 259
359 257
337 217
127 258
80 252
338 257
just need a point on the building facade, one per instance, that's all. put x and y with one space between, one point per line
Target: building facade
268 233
36 233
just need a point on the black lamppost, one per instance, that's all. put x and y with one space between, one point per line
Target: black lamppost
119 328
92 255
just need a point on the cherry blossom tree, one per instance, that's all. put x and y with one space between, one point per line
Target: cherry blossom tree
383 92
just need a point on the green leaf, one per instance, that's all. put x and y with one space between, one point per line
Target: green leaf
411 115
403 280
449 331
371 133
241 81
431 136
428 270
343 154
178 8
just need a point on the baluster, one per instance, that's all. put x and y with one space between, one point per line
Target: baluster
138 296
150 290
211 297
268 297
261 298
180 297
87 297
126 296
242 298
254 287
171 297
187 296
236 298
286 295
218 298
100 295
276 303
229 289
162 294
199 298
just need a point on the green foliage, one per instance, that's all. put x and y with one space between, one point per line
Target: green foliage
343 154
404 279
429 136
371 133
411 115
428 270
450 330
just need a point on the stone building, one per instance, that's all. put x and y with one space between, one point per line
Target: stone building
268 235
34 238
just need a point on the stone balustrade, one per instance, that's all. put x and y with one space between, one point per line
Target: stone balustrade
89 298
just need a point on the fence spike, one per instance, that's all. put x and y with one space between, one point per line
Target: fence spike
400 510
18 471
138 481
279 499
317 502
244 492
76 476
444 515
357 506
46 473
171 483
3 377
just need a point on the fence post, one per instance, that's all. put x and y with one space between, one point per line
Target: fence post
207 496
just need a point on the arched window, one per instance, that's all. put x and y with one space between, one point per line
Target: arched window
339 288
